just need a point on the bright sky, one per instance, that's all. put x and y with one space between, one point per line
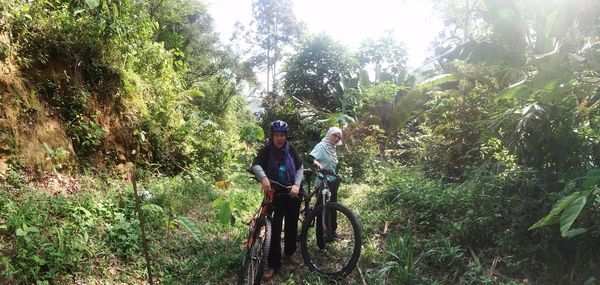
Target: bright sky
411 21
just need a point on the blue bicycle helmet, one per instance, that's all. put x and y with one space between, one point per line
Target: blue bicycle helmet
279 126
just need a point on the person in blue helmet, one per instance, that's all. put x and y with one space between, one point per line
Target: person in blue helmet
279 161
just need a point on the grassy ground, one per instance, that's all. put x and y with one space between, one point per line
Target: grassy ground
196 232
91 235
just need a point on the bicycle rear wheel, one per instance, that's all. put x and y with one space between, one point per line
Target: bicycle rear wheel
331 241
257 254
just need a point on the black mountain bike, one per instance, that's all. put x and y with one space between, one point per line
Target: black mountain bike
330 238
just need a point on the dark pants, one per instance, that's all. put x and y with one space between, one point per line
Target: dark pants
288 208
333 188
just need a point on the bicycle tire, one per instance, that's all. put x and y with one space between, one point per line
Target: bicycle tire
317 258
257 255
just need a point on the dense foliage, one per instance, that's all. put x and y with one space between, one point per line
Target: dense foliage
159 62
481 167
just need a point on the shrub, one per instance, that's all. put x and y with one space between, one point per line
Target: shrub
490 215
360 155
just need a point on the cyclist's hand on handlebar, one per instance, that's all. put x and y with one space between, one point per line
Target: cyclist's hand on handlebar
266 187
265 184
294 191
318 165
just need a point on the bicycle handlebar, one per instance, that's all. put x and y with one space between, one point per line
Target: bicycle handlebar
279 184
309 172
327 172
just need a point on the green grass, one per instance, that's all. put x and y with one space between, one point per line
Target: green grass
414 232
93 236
66 238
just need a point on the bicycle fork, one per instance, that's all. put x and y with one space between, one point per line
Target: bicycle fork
324 222
251 233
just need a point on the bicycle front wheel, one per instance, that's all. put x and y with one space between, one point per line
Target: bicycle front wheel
256 254
331 240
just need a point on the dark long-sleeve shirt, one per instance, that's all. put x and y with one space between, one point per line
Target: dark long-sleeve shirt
261 161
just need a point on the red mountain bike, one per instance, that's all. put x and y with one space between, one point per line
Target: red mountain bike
257 246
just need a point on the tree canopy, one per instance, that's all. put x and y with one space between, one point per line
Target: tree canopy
313 73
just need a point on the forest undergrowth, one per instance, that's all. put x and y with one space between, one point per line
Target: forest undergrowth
415 230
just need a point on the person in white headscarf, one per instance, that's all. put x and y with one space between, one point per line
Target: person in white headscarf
324 156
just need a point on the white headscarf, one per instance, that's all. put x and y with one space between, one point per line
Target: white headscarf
329 146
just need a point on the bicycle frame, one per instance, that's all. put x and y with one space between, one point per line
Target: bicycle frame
323 189
262 212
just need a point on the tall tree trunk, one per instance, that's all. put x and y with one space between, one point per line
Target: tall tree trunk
268 67
467 16
275 52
